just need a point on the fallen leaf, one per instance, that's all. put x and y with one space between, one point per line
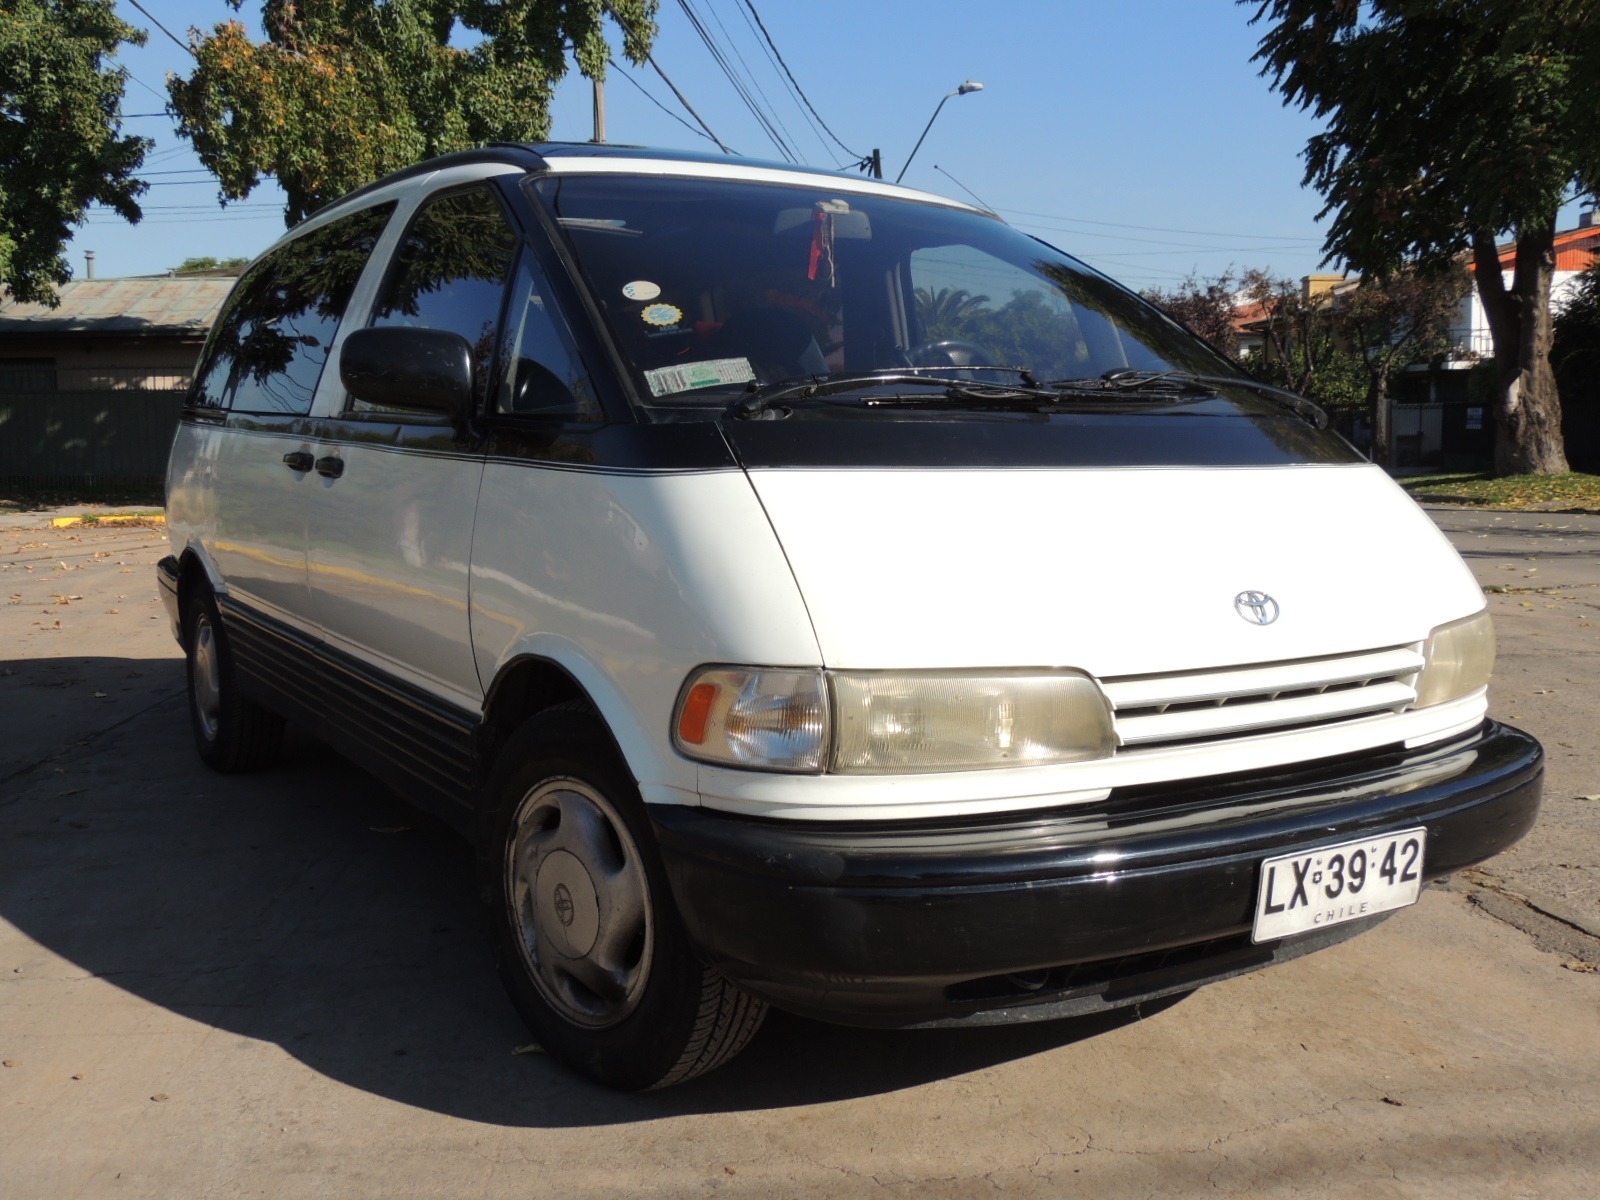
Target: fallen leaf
1393 1101
99 695
77 1076
159 1097
390 828
530 1048
730 1170
1582 968
114 611
7 1063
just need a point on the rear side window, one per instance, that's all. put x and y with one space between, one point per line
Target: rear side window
450 272
271 340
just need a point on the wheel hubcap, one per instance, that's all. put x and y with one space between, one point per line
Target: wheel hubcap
579 902
206 677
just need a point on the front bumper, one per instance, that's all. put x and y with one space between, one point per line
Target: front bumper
1144 894
168 575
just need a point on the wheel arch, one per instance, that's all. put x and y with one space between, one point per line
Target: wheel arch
535 680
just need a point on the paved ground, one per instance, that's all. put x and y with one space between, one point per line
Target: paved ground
279 985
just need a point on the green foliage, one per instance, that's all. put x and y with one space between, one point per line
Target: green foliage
207 263
345 91
61 147
1335 379
948 312
1443 117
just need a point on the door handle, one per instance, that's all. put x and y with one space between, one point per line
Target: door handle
299 460
330 467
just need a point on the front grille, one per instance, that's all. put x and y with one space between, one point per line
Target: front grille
1150 711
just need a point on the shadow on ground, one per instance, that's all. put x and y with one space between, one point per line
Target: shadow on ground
307 907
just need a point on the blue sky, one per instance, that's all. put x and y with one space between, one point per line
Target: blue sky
1136 135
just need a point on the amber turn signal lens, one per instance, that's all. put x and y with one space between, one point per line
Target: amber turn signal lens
696 711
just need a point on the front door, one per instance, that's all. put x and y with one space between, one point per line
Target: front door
391 516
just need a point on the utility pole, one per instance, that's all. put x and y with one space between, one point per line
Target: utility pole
599 110
877 164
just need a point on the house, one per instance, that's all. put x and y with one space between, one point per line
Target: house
90 391
144 331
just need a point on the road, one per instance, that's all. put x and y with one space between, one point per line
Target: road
279 985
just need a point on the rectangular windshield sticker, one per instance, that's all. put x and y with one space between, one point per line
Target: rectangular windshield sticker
665 380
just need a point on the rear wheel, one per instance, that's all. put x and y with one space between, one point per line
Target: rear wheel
232 733
590 946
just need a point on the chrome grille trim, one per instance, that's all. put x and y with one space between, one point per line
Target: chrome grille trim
1149 710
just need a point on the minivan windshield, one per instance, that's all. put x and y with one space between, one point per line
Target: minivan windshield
711 284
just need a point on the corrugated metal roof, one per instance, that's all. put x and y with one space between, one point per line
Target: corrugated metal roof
141 306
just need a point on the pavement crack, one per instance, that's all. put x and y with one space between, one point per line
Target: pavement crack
90 739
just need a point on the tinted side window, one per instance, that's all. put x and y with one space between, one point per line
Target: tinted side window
272 338
540 373
450 273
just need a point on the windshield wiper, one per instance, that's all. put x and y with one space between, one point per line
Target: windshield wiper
760 398
1128 379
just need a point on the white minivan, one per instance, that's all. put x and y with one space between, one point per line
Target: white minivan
813 592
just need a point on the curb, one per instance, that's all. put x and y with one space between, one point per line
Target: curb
109 519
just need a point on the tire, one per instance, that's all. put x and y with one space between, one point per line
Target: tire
232 733
589 944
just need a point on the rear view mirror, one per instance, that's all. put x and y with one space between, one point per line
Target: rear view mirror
401 367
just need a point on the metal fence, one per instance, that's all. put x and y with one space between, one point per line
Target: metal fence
88 427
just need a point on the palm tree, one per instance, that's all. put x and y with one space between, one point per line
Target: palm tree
947 313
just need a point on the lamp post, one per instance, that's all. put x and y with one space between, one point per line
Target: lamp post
968 86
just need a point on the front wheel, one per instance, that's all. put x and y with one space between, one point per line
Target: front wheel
590 946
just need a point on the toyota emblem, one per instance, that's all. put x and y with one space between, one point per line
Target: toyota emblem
1256 607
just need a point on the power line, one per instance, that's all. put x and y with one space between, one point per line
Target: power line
650 58
811 122
772 109
648 96
1152 228
767 126
182 45
794 82
981 202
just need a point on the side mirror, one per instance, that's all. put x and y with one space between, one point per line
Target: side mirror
400 367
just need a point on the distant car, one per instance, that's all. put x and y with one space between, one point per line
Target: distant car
813 592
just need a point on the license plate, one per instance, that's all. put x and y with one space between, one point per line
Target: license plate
1334 884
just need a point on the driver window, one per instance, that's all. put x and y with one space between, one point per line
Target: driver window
973 309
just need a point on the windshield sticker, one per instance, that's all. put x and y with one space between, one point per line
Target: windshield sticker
662 314
664 380
641 289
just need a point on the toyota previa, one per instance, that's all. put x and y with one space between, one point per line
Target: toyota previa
811 592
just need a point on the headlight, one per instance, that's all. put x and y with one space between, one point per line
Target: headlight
883 723
888 724
1459 658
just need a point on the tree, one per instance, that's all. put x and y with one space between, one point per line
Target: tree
345 91
948 312
61 147
1450 123
1206 306
207 263
1391 323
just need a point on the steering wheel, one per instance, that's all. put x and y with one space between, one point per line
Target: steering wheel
950 352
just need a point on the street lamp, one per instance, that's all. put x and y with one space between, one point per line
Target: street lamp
968 86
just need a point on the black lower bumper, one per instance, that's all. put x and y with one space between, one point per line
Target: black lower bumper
1048 914
168 574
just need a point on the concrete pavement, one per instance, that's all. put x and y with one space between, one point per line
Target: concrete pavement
279 985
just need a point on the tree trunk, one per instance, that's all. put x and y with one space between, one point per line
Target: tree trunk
1379 408
1527 408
